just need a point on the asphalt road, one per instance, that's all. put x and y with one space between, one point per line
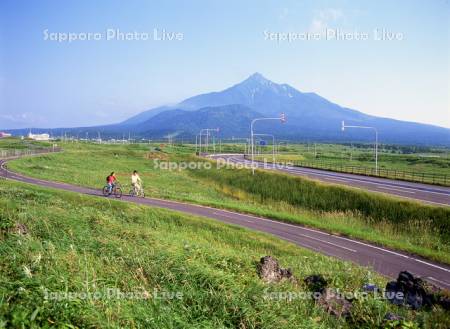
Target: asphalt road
382 260
431 194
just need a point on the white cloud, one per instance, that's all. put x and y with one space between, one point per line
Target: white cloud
25 118
323 18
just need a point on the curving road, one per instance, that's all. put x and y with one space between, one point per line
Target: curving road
382 260
431 194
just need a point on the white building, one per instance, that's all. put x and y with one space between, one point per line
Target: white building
39 137
3 134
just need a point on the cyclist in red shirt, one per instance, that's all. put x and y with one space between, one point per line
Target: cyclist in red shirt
111 181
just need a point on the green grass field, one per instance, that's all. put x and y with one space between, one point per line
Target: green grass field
177 271
11 144
340 210
401 163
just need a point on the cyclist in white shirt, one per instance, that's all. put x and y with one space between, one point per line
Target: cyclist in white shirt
136 181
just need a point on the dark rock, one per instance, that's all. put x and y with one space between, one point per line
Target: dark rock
392 317
334 303
394 293
316 283
270 271
414 299
21 229
286 272
444 301
428 291
417 293
406 280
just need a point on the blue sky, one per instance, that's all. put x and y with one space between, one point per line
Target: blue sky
48 83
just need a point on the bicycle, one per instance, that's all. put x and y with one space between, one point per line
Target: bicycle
137 192
116 190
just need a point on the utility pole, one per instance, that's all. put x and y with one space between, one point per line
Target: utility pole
282 118
376 141
351 151
196 144
208 130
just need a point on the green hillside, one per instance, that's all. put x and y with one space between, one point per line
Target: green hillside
61 252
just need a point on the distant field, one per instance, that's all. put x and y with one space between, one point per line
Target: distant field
429 165
363 215
428 160
53 243
17 144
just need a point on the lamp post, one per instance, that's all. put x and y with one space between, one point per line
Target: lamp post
200 142
207 130
196 138
282 118
273 144
376 141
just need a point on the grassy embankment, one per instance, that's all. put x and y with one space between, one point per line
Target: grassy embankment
398 224
202 273
18 144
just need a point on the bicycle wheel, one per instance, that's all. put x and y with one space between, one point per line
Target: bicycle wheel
131 193
118 192
105 191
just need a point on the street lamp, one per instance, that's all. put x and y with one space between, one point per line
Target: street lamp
376 141
214 139
282 118
196 143
200 141
207 130
273 144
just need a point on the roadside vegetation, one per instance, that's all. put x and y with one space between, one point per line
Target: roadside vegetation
66 261
395 223
420 164
299 192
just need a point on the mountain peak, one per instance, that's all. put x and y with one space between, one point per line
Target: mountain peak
258 78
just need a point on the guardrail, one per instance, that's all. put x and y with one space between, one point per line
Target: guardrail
13 153
411 176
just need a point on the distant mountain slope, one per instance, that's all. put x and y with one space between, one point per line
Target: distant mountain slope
233 120
144 116
310 117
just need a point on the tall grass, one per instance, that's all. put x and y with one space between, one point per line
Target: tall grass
316 196
81 244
